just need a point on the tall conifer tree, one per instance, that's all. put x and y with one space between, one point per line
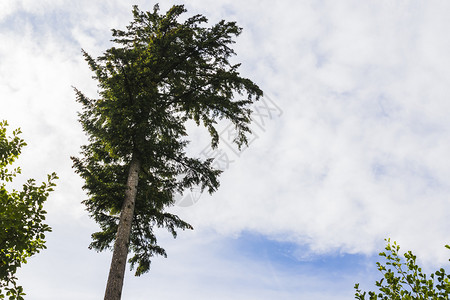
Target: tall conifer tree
160 74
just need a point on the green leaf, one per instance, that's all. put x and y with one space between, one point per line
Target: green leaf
22 213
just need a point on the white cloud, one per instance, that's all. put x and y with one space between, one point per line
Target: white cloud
367 89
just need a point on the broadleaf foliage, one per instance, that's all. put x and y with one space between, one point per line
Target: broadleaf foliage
403 279
22 216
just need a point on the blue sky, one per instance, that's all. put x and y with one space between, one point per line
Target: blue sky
356 149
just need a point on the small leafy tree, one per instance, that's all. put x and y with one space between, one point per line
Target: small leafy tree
22 230
404 280
160 74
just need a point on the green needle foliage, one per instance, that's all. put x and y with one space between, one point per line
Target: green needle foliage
160 74
21 216
404 279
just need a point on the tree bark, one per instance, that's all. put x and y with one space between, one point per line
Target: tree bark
119 258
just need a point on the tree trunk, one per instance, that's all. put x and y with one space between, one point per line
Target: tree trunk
119 258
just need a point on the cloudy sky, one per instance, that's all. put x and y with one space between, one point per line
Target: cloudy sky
350 146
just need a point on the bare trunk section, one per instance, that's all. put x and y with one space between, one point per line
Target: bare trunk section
119 258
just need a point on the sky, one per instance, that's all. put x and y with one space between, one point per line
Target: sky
350 146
